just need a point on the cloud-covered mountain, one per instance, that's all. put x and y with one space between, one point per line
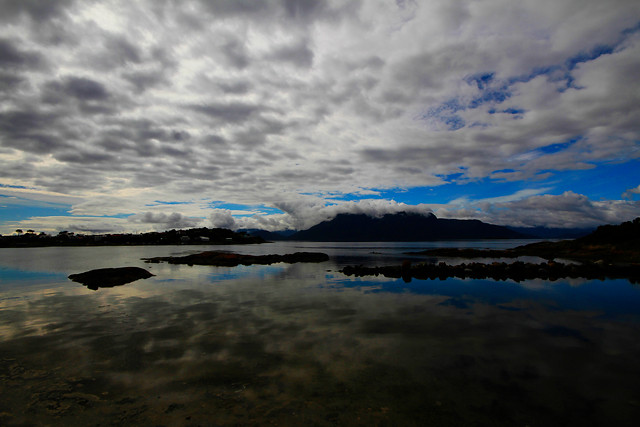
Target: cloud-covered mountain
402 227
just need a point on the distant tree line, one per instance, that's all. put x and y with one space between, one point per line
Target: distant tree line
193 236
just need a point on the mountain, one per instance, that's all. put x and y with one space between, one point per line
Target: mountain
401 227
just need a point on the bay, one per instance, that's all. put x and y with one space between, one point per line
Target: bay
293 344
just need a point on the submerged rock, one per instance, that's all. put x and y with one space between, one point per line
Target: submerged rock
110 277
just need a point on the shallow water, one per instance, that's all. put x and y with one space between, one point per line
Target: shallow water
304 344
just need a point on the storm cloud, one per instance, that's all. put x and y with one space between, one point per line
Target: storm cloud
283 113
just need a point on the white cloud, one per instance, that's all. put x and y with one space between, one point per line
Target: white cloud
222 218
33 195
630 192
566 210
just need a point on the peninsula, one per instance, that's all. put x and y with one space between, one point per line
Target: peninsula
611 251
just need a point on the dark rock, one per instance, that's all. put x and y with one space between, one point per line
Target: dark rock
110 277
228 259
517 271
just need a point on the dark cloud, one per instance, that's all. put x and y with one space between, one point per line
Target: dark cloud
143 64
9 82
180 135
238 87
122 51
233 112
87 95
304 8
46 20
236 53
145 80
11 57
267 12
68 178
298 54
85 89
164 221
224 8
37 10
84 157
145 138
31 131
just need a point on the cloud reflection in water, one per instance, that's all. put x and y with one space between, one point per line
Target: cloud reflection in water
299 344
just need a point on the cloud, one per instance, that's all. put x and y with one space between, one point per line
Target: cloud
32 131
12 57
83 89
233 112
164 221
302 214
39 196
630 192
298 54
222 218
34 9
264 103
566 210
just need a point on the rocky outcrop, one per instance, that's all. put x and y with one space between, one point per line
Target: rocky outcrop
110 277
517 271
228 259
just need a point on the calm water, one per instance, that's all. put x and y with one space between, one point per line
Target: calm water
303 344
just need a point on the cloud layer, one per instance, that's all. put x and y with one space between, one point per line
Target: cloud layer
289 110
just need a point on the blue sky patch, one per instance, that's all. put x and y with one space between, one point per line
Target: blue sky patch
453 122
9 212
239 207
481 80
555 148
595 53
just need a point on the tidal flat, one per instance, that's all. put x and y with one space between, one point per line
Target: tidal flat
293 344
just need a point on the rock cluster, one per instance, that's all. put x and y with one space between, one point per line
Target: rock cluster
517 271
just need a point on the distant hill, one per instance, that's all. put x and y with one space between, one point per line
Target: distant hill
402 227
192 236
268 235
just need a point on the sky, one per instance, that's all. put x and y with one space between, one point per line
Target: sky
133 116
